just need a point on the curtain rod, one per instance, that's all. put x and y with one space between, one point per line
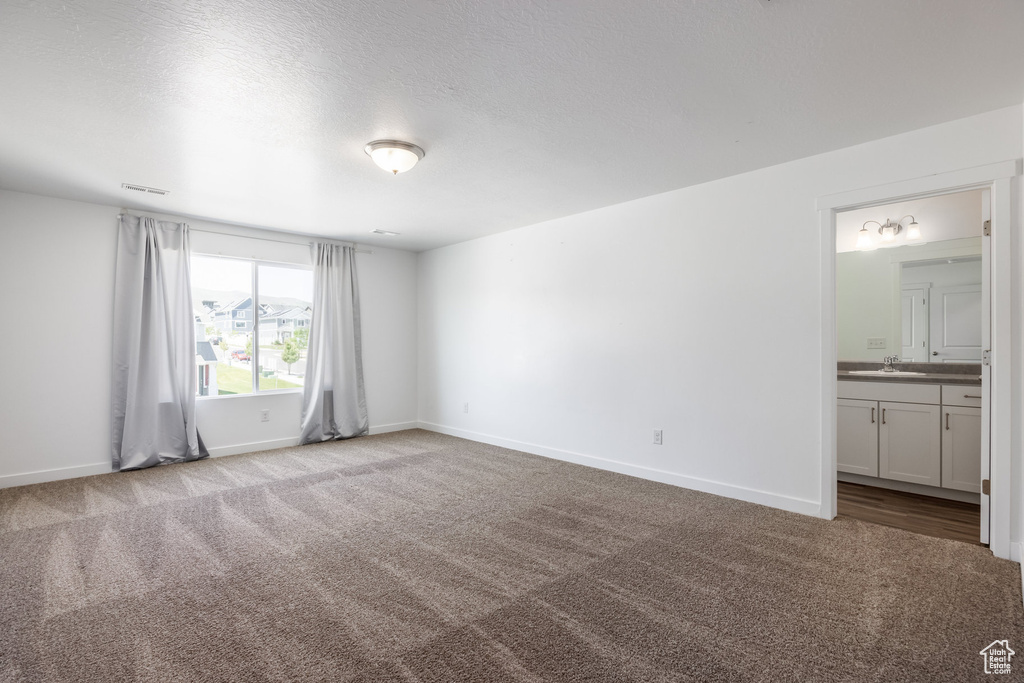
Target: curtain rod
301 239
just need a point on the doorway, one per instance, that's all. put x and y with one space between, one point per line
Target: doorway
996 179
916 301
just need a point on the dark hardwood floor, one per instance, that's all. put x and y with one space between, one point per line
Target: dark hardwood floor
921 514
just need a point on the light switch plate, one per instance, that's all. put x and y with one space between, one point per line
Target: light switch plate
876 342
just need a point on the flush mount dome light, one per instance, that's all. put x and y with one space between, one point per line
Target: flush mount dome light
393 155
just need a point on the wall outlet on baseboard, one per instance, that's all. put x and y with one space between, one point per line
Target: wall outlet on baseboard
265 415
657 437
465 407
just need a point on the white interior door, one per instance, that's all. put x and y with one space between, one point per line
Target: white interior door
914 312
986 370
956 323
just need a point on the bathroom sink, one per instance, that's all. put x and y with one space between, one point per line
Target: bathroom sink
883 373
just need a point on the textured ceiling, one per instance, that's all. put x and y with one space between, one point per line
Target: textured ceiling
255 112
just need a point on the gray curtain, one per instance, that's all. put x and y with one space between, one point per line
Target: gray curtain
154 387
334 400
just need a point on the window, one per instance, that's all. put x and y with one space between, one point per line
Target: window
252 325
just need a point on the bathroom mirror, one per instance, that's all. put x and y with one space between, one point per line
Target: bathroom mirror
919 300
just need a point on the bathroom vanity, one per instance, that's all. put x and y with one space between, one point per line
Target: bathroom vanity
919 427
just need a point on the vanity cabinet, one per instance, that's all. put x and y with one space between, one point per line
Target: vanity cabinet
918 433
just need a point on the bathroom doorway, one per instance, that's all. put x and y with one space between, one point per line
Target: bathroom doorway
997 179
909 321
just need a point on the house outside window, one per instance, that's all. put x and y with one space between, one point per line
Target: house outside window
253 338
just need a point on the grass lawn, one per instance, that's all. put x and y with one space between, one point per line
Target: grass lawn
237 380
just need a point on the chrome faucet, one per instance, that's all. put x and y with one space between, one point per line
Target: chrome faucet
888 361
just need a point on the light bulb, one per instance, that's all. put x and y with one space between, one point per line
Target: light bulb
864 239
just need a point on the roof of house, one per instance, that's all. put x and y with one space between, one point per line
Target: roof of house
232 305
204 350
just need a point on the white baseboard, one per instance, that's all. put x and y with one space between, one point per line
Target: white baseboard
396 427
26 478
55 474
1016 554
252 447
801 506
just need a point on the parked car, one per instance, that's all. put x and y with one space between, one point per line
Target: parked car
240 355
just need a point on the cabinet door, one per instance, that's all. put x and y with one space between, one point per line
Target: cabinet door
857 436
909 443
961 448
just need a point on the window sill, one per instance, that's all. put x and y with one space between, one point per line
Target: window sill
264 392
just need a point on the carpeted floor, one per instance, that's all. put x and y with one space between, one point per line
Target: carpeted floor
419 557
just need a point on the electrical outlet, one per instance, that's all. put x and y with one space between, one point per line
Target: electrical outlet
465 407
264 416
876 342
657 437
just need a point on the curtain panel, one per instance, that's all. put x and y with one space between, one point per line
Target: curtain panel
154 382
334 398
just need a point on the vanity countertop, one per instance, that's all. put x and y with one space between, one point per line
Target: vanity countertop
967 374
927 378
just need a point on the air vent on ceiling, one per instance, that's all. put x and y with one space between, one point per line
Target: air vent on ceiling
378 231
143 188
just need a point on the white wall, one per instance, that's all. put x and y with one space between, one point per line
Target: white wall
57 276
697 312
1017 437
57 272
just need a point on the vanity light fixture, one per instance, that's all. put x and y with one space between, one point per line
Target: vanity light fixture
888 231
394 155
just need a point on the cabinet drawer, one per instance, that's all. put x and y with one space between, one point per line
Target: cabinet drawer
957 395
886 391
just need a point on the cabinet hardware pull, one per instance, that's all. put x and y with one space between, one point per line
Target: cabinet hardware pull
947 422
883 415
969 396
872 415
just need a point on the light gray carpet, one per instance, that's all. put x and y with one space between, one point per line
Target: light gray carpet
419 557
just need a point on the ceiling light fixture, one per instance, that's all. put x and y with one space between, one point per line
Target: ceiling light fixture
888 231
393 155
386 233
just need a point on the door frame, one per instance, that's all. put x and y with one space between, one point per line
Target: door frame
925 289
998 178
